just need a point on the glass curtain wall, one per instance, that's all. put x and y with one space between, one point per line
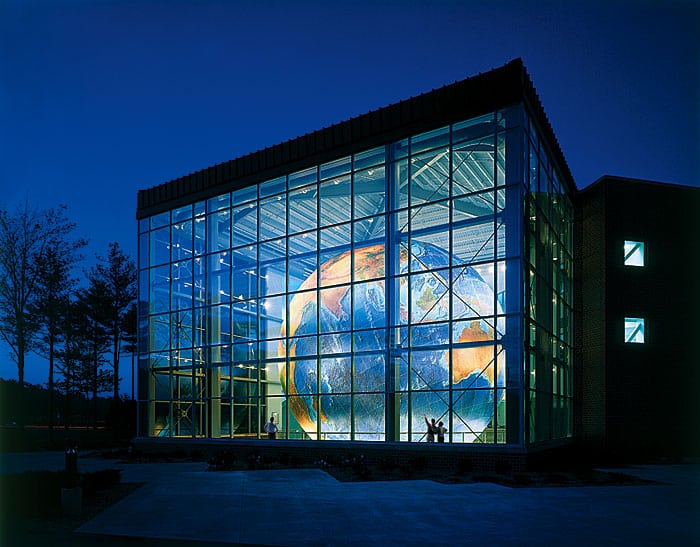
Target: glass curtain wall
351 300
548 298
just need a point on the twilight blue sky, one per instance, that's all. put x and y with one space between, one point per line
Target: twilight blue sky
101 98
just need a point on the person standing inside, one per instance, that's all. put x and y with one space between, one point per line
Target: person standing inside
271 428
432 429
441 430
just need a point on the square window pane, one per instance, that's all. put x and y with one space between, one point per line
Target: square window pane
370 230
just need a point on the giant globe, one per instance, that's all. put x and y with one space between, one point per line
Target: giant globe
364 309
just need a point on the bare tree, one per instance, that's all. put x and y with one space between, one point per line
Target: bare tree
25 236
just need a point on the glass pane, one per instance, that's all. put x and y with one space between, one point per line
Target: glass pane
159 283
471 295
219 278
369 158
245 225
143 250
472 206
303 346
272 278
219 202
429 216
431 139
368 305
302 271
271 314
369 263
302 314
368 231
634 330
335 268
370 370
244 195
634 253
182 243
273 217
303 178
159 332
182 213
335 168
474 243
427 405
430 175
219 231
335 417
245 321
368 340
219 325
474 128
182 283
302 209
429 297
245 273
472 166
159 220
160 246
335 238
272 187
369 191
335 200
369 416
182 330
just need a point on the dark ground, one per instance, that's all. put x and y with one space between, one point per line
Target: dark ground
41 526
55 530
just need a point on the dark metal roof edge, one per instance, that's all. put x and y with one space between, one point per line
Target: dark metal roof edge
615 179
498 88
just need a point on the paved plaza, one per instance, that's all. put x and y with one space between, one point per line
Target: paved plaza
309 507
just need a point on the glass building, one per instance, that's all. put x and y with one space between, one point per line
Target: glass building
409 264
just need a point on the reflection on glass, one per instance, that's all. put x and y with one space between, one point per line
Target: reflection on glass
634 253
634 330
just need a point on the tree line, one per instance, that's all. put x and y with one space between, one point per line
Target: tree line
81 324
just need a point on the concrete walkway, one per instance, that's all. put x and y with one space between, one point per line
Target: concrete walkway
308 507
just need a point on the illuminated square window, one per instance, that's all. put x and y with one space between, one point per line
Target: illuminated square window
634 253
634 330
